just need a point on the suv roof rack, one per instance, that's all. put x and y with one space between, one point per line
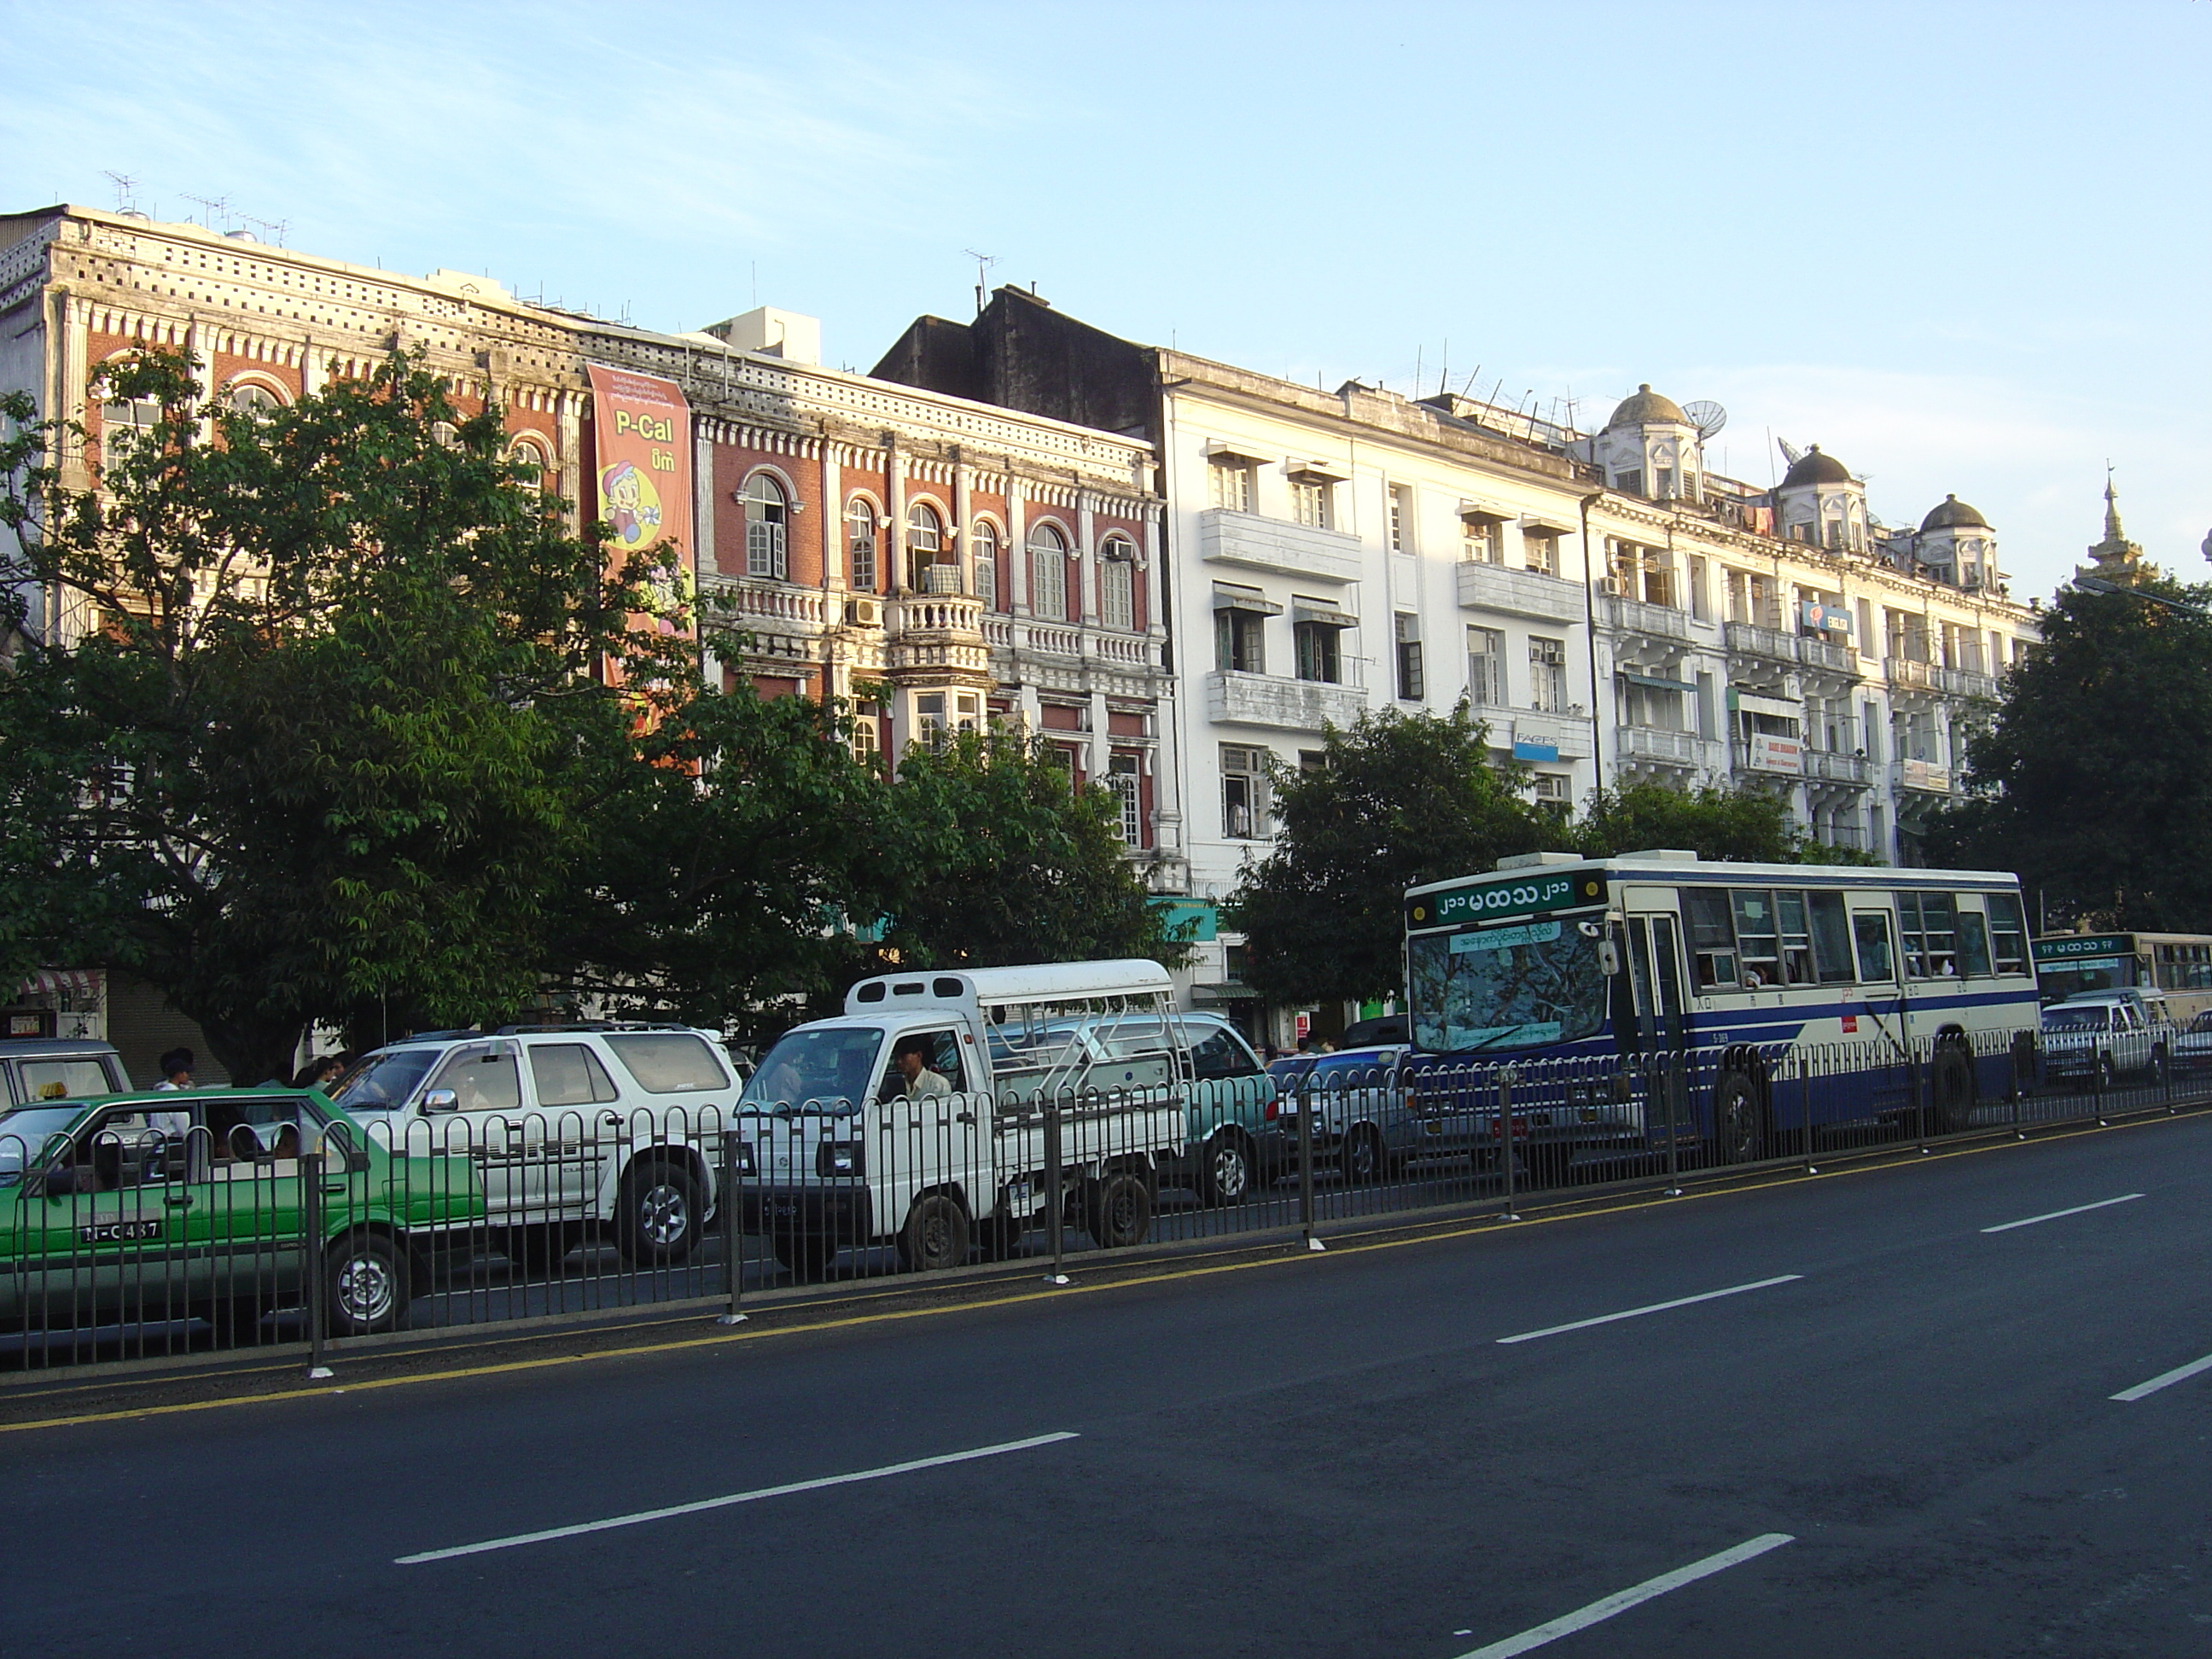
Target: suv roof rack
588 1026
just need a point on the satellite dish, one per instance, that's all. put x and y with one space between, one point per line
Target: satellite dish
1791 451
1708 417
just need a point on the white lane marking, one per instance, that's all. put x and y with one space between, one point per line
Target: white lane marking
2079 1209
1621 1601
1657 1306
2165 1379
704 1503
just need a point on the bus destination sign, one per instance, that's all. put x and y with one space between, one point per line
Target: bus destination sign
1521 895
2070 947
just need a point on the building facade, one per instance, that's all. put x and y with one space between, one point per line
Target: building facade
1611 608
937 561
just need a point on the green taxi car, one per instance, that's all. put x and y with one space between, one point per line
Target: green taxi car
190 1203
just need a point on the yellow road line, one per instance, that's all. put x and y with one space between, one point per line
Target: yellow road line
1337 1248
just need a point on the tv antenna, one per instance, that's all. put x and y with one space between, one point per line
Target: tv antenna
220 207
1708 417
983 264
126 193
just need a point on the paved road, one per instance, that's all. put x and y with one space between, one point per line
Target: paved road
1334 1456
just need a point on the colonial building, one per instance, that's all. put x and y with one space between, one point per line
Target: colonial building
1612 608
936 559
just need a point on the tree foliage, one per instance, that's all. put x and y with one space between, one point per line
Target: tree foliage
2094 781
1406 798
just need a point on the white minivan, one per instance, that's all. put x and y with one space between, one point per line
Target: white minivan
918 1115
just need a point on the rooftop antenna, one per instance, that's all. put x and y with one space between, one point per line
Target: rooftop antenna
219 207
274 230
126 193
1467 385
1443 375
1418 351
983 264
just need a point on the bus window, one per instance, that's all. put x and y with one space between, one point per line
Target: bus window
2008 933
1927 934
1871 929
1832 938
1973 945
1756 941
1796 939
1712 937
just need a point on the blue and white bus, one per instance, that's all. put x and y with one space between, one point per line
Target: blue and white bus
1872 990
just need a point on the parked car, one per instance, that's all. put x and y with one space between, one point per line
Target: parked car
605 1126
2104 1036
2193 1046
160 1206
52 1068
1371 1120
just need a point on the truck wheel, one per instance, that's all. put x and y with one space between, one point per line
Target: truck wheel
935 1236
1120 1210
1951 1086
657 1215
364 1284
1739 1120
1225 1172
998 1236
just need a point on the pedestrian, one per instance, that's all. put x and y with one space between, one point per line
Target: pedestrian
323 1069
176 1069
1305 1045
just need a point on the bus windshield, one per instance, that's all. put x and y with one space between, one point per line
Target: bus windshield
1519 987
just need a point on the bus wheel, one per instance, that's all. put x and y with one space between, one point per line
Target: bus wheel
1739 1120
1951 1086
935 1236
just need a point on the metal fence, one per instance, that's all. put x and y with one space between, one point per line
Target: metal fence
124 1240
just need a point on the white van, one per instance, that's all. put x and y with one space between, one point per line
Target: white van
918 1115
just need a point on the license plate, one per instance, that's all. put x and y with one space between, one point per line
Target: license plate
116 1232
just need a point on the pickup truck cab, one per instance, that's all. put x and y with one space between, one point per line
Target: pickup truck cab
134 1208
2104 1036
920 1116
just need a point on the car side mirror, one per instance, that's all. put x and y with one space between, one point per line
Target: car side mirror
441 1100
1608 957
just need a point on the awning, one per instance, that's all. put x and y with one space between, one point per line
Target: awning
1320 611
1542 526
1223 449
1486 512
1228 596
1317 471
1657 683
1758 704
1227 992
61 982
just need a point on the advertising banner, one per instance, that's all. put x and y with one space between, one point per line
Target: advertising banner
642 464
1770 753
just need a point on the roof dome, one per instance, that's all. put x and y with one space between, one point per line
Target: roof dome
1952 514
1814 468
1648 408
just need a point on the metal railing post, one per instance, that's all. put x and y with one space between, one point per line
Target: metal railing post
1055 1198
1804 1059
310 1258
1919 1099
1670 1069
733 1268
1505 1136
1305 1170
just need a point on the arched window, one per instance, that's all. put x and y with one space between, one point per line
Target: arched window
924 544
1117 584
445 435
983 549
1049 573
125 424
768 515
253 400
860 543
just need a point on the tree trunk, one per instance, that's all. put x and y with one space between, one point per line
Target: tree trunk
253 1052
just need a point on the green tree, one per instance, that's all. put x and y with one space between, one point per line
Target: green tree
316 746
989 857
2093 781
1744 826
1399 800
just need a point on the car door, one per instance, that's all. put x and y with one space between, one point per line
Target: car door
111 1227
473 1100
574 1103
927 1136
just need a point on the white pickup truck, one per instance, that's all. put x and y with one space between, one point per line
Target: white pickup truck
920 1115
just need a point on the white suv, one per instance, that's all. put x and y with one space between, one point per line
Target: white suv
577 1128
2105 1034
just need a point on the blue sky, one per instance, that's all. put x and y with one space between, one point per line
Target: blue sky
1963 248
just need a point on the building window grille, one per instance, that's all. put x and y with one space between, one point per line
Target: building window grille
1117 585
1412 685
1239 643
1485 666
1049 573
1547 675
124 425
1318 657
1121 780
768 515
925 546
860 543
1401 512
1310 502
1481 542
983 549
1245 805
1232 485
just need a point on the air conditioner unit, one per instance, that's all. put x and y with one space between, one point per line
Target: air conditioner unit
860 613
1612 587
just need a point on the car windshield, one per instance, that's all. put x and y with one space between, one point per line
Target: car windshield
2092 1018
22 1132
2203 1021
384 1080
1505 987
63 1078
819 1067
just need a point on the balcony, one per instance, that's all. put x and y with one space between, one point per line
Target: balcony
1771 644
935 636
1968 683
1827 766
1680 751
1906 675
1657 622
1288 705
1921 777
1827 657
1252 542
1484 587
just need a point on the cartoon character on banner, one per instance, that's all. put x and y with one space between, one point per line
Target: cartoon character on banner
633 505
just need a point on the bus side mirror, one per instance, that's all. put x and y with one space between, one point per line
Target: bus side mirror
1608 957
